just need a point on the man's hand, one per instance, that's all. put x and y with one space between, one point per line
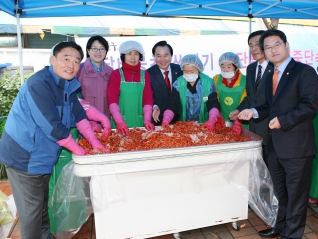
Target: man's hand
246 114
155 114
274 124
233 115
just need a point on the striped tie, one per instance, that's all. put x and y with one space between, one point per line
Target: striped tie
259 76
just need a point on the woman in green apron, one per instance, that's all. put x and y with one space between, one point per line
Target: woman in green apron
230 87
129 92
193 95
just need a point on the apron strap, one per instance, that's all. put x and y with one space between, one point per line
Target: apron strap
142 76
122 77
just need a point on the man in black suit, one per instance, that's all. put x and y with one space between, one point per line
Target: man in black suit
162 53
256 74
291 101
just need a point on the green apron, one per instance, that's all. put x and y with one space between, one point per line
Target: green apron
75 218
130 101
206 86
230 98
314 177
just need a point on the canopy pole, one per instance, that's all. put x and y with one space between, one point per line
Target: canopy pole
250 31
20 48
250 15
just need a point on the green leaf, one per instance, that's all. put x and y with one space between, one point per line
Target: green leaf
9 88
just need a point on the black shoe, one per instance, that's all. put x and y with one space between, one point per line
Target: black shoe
270 233
313 208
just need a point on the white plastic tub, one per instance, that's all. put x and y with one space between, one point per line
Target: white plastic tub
143 194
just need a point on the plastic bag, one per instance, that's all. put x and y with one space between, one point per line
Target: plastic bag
260 192
5 213
70 203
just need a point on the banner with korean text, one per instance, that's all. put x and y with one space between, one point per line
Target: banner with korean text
303 48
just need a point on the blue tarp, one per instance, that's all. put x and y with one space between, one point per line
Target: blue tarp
4 65
304 9
8 28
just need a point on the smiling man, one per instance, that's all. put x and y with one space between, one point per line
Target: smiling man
163 74
291 101
256 74
38 124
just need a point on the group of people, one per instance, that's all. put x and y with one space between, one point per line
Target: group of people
162 94
69 93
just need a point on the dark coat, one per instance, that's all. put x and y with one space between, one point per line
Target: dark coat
160 91
255 98
294 104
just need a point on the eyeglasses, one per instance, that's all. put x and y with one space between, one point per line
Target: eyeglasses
102 50
270 48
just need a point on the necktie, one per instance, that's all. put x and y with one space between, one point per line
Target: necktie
275 81
259 76
167 81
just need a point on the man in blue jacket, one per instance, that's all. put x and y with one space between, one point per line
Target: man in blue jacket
38 124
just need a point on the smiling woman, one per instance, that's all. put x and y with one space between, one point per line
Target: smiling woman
94 74
129 93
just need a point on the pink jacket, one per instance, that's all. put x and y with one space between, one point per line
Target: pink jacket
94 85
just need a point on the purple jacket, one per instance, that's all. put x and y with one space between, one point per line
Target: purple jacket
94 85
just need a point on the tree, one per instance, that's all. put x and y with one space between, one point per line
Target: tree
272 25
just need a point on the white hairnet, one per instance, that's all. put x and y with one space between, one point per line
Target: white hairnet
129 46
231 57
194 60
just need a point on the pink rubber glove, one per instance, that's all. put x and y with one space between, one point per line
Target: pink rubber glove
237 127
122 128
71 145
214 114
220 121
85 129
167 117
94 114
147 110
95 126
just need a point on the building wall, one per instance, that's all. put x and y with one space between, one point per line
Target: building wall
34 41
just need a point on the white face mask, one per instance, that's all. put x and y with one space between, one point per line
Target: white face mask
227 75
190 77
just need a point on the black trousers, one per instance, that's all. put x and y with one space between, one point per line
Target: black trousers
291 178
265 153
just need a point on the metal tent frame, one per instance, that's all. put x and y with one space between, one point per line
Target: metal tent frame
304 9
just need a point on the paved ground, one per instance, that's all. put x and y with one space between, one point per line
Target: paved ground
249 227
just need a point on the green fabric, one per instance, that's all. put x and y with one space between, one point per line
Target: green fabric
314 177
64 158
206 86
229 98
130 101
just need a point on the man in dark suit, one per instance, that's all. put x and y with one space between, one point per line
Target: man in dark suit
162 75
256 74
291 101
